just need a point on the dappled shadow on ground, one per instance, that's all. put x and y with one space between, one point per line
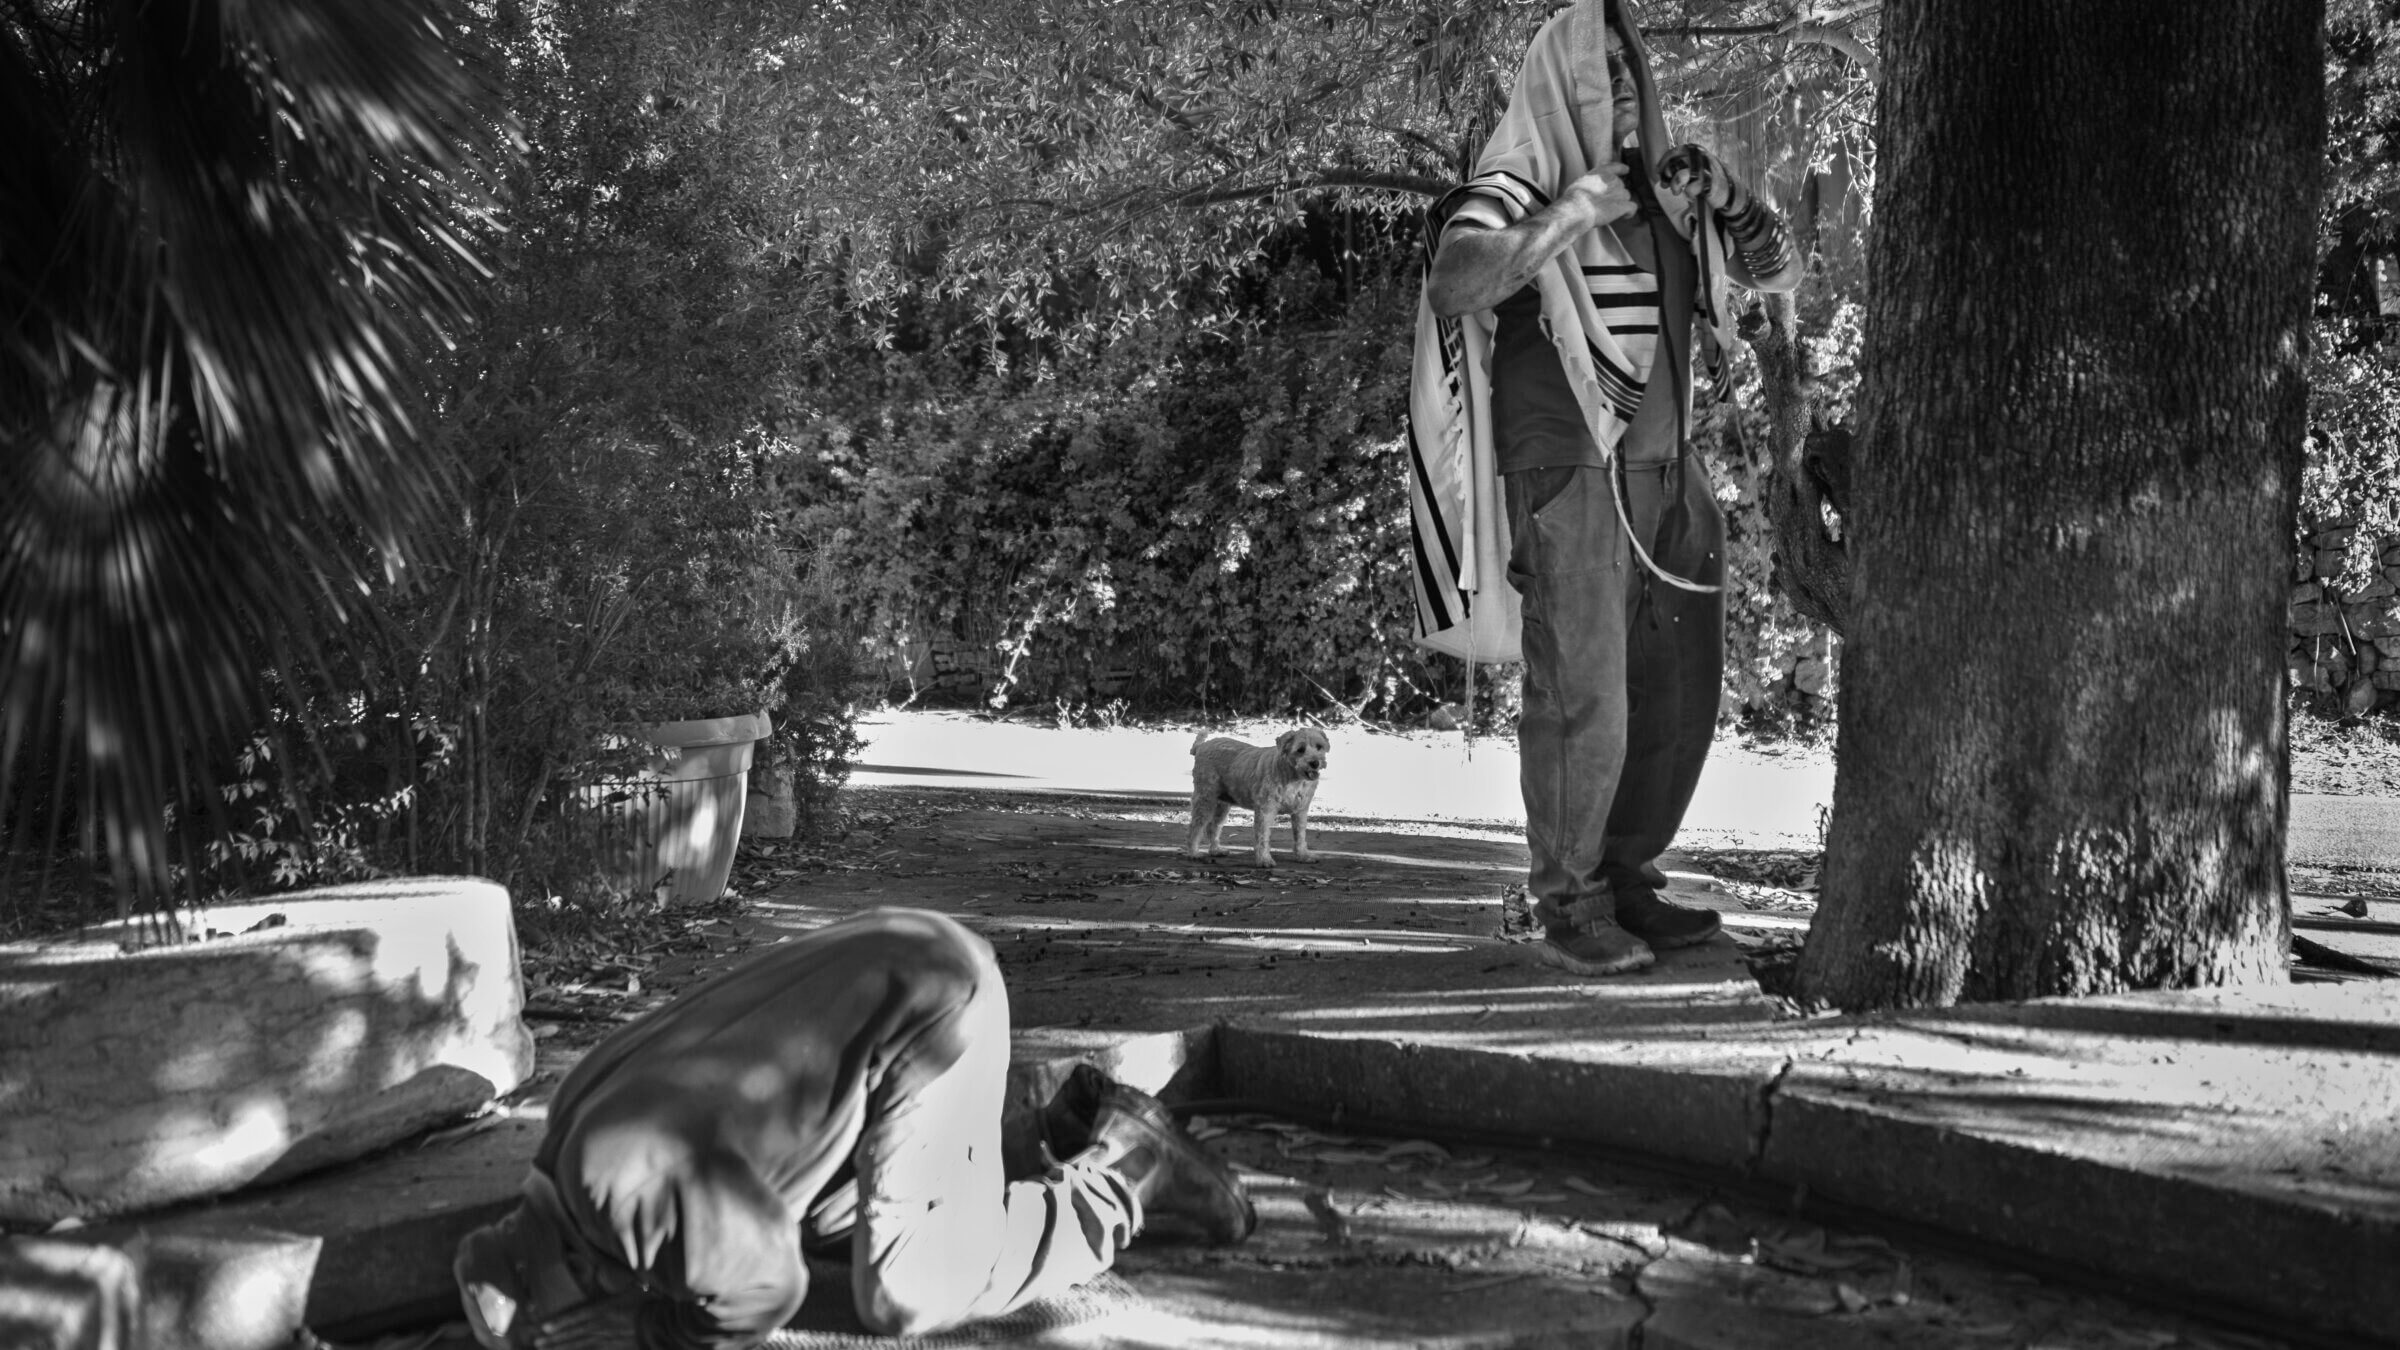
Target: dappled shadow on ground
1401 941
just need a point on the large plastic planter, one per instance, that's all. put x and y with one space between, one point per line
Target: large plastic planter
679 820
324 1025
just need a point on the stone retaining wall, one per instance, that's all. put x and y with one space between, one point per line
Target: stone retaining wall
2345 618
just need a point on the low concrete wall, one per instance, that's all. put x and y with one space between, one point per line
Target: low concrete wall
283 1035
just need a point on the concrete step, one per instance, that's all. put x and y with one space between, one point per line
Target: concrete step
2233 1147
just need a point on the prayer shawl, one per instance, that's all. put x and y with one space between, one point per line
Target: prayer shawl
1561 104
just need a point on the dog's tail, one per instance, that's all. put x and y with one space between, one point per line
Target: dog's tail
1199 738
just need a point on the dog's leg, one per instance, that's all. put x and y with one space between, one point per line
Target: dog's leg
1204 816
1263 820
1300 851
1216 823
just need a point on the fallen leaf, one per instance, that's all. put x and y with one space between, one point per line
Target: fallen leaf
1850 1299
1579 1184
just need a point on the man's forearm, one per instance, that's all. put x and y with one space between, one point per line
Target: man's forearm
1764 257
1478 268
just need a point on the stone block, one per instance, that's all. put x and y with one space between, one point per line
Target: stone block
2386 679
2377 589
774 809
2334 537
2316 620
235 1289
1810 675
192 1289
2388 646
2360 699
2307 593
2304 564
2372 619
2329 562
61 1295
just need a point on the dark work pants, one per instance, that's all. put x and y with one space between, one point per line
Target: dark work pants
1622 671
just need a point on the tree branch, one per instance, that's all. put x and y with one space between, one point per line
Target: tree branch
1818 34
1377 182
1806 473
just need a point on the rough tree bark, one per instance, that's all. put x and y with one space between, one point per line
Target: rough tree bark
2061 752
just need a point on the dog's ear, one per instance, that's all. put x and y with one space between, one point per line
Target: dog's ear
1291 741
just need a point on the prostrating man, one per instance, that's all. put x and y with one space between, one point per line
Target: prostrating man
1581 254
844 1088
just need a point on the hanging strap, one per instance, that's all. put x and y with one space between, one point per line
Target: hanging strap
1679 386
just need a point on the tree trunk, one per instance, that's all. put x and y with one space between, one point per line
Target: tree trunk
2061 754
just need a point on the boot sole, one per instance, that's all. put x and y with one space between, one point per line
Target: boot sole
1551 954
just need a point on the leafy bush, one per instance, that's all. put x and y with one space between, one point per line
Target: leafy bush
1219 507
616 550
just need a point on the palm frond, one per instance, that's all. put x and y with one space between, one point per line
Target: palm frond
231 234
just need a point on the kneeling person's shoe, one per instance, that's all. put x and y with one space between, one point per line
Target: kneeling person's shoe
1663 923
1170 1172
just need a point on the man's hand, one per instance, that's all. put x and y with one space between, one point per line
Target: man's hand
607 1325
1476 269
1692 172
1603 195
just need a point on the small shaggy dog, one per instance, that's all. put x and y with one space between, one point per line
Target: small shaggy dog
1265 778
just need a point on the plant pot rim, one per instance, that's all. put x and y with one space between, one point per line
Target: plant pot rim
701 731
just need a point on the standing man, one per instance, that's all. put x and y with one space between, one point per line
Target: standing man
1582 250
843 1089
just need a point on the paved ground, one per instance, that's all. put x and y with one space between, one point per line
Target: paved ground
2209 1170
1385 982
2351 832
2342 844
1749 796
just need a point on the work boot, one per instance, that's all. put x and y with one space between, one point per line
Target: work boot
1662 923
1135 1136
1590 942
